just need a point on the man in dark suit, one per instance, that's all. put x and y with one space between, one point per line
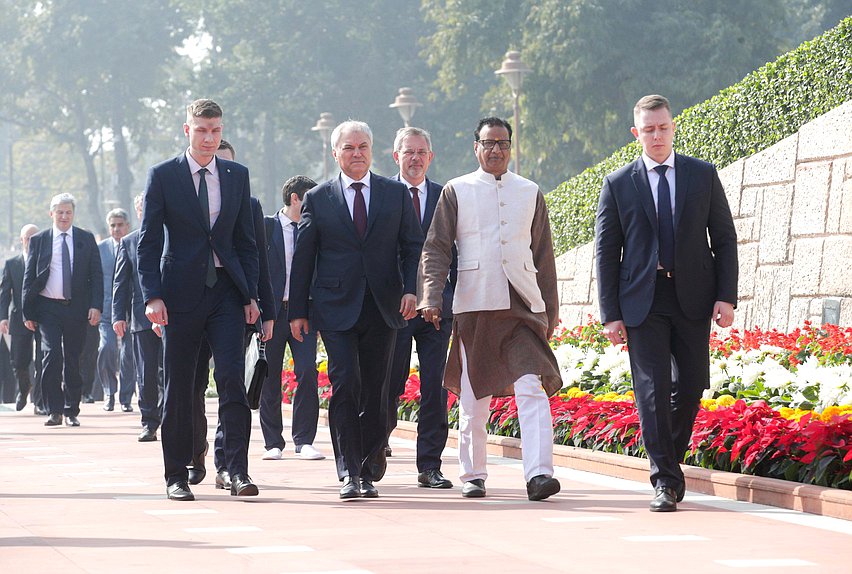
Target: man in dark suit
127 303
356 256
412 152
661 282
63 289
12 324
198 467
281 232
116 370
198 267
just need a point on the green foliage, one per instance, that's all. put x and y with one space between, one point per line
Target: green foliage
765 107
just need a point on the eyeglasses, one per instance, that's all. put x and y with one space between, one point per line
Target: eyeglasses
412 153
489 144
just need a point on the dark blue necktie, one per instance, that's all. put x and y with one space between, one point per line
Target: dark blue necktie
66 268
664 220
210 281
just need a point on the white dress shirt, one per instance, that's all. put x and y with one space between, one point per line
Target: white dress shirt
214 190
289 247
349 193
654 177
421 195
53 288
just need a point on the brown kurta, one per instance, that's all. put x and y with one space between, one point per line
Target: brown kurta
501 345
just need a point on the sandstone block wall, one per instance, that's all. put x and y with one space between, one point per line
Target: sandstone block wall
792 207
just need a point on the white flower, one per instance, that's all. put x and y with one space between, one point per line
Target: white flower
751 372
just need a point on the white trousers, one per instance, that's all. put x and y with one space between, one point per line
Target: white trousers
536 427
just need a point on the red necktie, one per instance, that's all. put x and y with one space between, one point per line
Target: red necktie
359 210
415 197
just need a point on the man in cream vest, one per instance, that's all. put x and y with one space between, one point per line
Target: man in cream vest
505 306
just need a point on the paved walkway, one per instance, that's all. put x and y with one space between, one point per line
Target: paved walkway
92 499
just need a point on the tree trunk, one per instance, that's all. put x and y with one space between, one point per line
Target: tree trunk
122 164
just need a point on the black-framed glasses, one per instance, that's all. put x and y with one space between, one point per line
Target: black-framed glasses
502 144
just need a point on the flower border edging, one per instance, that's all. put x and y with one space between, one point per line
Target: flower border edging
769 491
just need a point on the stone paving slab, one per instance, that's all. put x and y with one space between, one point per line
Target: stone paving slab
92 500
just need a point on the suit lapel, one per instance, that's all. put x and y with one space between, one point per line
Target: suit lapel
227 198
45 253
643 191
338 204
278 241
682 174
187 190
377 198
432 195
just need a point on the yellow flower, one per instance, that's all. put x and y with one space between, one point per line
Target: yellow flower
725 401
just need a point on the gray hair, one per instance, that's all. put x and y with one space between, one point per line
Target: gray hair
403 133
61 198
117 212
350 126
137 201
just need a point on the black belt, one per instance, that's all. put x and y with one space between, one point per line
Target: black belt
665 274
59 301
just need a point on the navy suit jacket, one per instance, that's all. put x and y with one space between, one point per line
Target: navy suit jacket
174 242
433 193
87 287
10 295
276 254
334 266
626 250
264 287
127 300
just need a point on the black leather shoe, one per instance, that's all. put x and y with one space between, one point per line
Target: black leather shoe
378 464
72 422
37 410
147 435
681 492
351 487
664 499
474 488
20 401
88 399
433 478
179 491
109 404
223 480
195 474
127 408
541 487
54 420
368 490
241 485
388 452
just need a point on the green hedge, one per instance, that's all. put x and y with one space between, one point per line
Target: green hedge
758 112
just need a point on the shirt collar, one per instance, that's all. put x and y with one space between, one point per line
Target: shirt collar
194 166
485 176
57 232
408 184
346 181
284 218
651 164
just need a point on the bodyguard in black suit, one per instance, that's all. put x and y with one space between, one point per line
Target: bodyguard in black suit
356 256
12 323
281 232
128 303
413 153
198 267
63 289
661 282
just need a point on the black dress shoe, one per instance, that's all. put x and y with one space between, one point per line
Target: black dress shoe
664 499
72 422
351 487
241 485
378 464
388 452
368 490
37 410
433 478
54 420
109 404
195 474
147 435
127 408
179 491
474 488
542 486
681 491
88 399
223 480
21 401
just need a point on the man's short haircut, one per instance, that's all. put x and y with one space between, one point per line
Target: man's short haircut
403 133
492 122
117 212
225 144
203 108
61 198
298 184
650 103
350 126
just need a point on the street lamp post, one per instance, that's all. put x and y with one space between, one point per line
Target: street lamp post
325 125
513 69
406 104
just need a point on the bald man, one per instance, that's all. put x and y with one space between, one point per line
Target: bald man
12 324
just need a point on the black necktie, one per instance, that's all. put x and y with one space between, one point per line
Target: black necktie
295 227
415 197
359 210
664 220
66 268
210 281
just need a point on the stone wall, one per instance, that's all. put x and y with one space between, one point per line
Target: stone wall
792 207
